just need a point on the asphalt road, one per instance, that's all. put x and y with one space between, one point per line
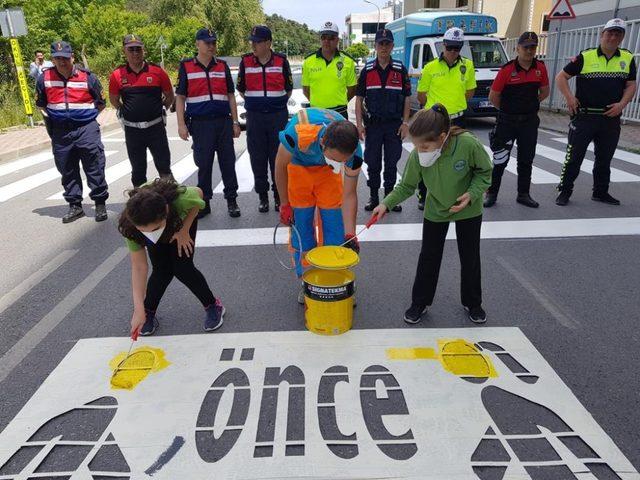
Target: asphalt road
573 292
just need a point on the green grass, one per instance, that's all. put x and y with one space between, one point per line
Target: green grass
12 108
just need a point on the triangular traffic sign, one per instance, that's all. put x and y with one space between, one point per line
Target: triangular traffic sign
562 10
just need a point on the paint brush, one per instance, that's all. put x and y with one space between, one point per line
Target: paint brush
134 339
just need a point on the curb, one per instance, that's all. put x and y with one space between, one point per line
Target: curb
36 147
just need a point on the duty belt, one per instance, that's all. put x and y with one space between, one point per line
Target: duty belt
455 115
148 124
590 111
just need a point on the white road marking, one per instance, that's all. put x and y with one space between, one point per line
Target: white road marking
34 279
538 175
51 320
623 155
33 181
243 173
25 162
184 168
587 165
121 140
563 228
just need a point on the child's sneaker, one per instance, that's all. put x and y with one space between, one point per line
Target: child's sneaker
214 316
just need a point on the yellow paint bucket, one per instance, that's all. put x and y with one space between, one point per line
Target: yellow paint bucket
329 290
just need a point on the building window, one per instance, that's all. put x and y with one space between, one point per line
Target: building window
462 3
372 28
545 23
431 3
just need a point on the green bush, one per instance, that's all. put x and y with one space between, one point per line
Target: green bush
12 108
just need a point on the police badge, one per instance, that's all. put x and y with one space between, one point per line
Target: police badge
623 65
463 69
339 67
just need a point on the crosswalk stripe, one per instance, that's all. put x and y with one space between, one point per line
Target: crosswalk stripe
184 168
587 165
522 229
33 181
121 140
623 155
29 161
243 173
538 175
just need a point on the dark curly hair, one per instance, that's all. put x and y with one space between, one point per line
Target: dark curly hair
148 204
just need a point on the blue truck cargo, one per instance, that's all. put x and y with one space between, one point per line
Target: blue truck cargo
418 40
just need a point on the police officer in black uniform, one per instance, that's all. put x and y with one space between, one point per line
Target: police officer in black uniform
139 91
70 98
605 84
382 115
516 92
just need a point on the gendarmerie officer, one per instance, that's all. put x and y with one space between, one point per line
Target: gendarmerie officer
516 92
140 91
605 84
70 98
382 114
206 110
265 82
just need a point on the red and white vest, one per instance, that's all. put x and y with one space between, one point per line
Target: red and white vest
265 84
69 99
207 93
384 101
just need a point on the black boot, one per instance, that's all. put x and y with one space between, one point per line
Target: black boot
397 208
276 199
490 200
374 200
101 212
75 212
263 206
605 198
563 198
205 211
232 207
526 200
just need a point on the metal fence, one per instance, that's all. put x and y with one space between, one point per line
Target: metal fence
571 43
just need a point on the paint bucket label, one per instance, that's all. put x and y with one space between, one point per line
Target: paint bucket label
328 294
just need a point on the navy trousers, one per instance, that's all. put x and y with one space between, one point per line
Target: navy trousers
263 143
382 138
214 136
73 145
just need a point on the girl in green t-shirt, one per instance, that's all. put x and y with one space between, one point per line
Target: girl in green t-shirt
456 169
160 219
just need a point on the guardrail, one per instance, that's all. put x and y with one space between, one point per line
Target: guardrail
571 43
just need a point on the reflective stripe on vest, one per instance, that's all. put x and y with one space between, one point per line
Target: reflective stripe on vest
384 101
597 66
69 99
206 91
265 86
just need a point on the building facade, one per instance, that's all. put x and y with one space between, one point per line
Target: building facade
362 27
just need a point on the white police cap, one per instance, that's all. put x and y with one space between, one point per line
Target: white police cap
454 36
329 28
615 24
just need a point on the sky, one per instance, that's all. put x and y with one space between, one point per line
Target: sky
316 12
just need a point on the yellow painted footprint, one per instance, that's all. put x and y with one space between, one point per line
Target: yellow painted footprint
136 367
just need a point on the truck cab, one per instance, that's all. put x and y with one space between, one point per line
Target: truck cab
418 40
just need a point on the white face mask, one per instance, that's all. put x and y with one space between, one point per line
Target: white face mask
337 166
155 235
427 159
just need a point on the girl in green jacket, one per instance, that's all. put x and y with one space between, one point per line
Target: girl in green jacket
456 169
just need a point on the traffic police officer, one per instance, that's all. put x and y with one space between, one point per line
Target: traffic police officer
206 109
139 91
265 82
384 89
605 84
329 74
516 92
70 98
450 80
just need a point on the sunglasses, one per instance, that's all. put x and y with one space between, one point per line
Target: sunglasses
328 37
384 43
134 49
452 48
